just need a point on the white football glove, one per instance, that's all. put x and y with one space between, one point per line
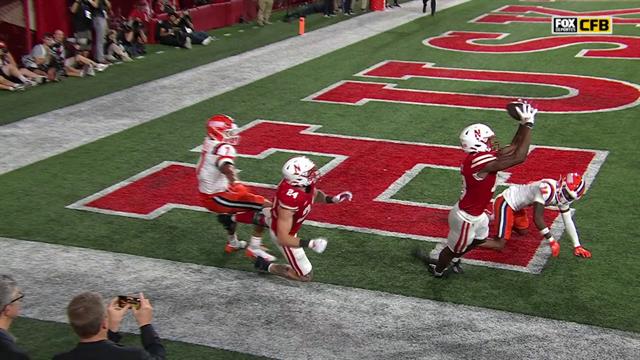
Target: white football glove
343 196
318 245
527 114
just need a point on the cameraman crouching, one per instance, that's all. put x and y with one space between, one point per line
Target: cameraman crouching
98 328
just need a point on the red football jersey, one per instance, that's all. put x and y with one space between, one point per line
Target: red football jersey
477 193
292 198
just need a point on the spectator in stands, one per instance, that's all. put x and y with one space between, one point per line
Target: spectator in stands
82 23
433 6
11 303
329 8
10 85
9 70
114 50
133 38
165 6
141 11
264 12
346 8
364 5
181 21
39 60
98 327
168 35
101 9
59 56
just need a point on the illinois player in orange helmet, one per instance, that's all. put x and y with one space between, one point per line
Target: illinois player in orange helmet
220 190
510 210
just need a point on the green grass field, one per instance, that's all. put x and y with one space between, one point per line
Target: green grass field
598 291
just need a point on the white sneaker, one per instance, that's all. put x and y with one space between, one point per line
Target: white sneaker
101 67
206 41
17 87
89 71
187 43
253 253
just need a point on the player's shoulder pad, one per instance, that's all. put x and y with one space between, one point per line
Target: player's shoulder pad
224 149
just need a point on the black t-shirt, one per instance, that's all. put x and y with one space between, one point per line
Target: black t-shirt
8 348
82 19
101 10
163 25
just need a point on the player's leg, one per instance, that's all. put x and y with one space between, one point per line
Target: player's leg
299 267
502 225
521 222
458 239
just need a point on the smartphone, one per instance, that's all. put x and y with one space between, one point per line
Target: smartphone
123 300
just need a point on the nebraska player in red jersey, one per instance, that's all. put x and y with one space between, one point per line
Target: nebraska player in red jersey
220 190
294 197
468 223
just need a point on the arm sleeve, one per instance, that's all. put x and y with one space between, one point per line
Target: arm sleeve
570 226
151 343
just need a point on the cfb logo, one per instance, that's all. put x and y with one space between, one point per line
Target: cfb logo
581 25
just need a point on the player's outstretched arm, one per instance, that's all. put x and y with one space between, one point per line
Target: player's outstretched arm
570 227
327 199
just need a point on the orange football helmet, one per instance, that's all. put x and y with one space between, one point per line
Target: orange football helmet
223 128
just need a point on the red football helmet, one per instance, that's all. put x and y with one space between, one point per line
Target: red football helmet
222 128
571 187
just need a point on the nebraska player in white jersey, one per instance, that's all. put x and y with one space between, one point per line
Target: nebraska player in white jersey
510 210
468 223
295 195
220 191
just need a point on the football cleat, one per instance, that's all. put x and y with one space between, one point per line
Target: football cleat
455 267
259 252
581 252
232 247
555 248
428 262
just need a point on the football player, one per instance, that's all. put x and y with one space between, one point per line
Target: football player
294 197
510 210
222 193
468 222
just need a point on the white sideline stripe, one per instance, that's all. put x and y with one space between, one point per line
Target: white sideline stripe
64 129
245 312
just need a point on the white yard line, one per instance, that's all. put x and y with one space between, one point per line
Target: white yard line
42 136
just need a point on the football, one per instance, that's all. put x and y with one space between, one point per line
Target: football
511 109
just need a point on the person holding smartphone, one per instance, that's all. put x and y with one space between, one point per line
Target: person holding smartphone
97 327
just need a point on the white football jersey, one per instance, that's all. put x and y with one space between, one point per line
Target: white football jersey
214 155
542 191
